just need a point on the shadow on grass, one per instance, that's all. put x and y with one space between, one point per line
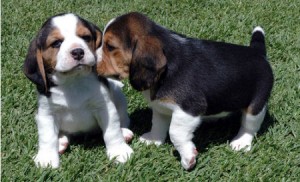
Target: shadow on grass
86 140
140 123
215 132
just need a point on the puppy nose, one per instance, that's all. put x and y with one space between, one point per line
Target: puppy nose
77 53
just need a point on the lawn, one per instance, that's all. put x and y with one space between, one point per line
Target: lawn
275 155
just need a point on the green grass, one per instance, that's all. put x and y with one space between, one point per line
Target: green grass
276 152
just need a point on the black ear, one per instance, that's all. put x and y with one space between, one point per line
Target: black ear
34 68
148 63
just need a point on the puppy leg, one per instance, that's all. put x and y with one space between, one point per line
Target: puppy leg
249 126
110 123
158 133
63 143
181 133
124 119
47 155
121 105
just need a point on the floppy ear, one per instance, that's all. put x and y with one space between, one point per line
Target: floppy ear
97 34
98 37
34 67
148 63
95 30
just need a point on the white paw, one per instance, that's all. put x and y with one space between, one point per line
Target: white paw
241 143
188 156
121 153
148 139
46 159
63 143
127 134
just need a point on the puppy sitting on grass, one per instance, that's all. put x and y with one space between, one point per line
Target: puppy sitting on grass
71 98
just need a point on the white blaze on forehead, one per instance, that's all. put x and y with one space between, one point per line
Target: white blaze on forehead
107 25
66 24
99 51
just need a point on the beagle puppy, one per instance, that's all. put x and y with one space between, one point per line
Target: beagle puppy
187 80
71 97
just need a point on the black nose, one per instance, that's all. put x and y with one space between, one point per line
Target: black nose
77 53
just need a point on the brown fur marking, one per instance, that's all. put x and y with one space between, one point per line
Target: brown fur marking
39 57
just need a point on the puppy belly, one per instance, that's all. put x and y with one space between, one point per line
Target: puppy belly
78 121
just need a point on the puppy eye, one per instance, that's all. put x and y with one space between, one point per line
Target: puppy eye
110 47
87 38
56 44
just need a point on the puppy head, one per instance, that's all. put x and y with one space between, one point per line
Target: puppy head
66 43
131 49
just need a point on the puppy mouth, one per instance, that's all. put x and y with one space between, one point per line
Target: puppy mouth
78 68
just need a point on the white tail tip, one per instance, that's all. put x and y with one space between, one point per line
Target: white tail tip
258 29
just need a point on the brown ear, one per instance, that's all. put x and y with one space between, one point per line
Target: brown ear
148 63
34 67
98 37
40 63
97 34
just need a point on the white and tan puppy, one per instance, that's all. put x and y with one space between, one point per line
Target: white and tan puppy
71 97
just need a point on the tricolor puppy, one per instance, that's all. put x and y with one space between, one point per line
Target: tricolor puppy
187 80
71 98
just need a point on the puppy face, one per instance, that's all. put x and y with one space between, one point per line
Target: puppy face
69 44
129 49
66 43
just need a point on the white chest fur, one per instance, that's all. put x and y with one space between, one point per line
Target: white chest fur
72 104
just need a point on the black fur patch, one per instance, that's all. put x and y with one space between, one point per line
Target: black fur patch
206 77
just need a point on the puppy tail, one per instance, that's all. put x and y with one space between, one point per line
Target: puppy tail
258 39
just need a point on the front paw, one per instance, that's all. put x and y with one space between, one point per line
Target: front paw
188 154
121 153
46 159
148 139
